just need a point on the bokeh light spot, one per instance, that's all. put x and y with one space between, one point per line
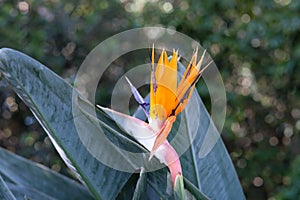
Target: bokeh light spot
258 181
245 18
273 141
167 7
23 6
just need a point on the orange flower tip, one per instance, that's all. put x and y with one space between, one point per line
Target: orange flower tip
204 68
175 51
196 50
179 187
201 59
163 134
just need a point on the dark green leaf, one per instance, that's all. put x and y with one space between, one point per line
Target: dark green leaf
213 175
5 193
50 99
26 178
140 190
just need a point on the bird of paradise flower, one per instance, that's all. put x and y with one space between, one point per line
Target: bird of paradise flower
168 98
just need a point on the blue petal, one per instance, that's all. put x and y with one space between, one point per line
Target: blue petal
139 98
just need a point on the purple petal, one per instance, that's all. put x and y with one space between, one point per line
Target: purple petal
138 98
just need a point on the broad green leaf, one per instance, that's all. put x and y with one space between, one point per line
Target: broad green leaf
158 185
28 193
192 191
228 187
140 190
213 175
50 99
35 84
161 182
26 178
5 193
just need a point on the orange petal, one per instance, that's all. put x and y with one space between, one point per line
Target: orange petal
166 81
163 86
162 134
153 87
188 81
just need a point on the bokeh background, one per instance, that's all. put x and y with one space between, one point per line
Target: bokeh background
255 44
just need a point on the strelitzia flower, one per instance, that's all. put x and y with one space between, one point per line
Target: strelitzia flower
168 97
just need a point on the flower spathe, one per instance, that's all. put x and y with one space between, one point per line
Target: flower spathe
168 97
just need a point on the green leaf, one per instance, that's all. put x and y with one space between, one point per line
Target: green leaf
28 193
179 187
212 176
26 178
193 190
216 169
5 193
140 190
50 99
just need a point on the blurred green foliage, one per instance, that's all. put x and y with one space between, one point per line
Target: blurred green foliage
292 191
255 44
